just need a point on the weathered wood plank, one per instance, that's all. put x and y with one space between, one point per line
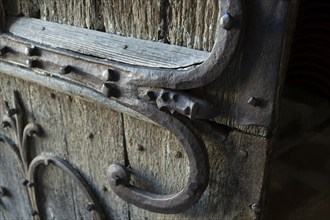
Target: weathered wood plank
107 46
193 23
237 164
184 23
139 18
73 129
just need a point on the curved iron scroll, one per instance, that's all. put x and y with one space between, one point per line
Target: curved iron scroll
198 178
16 119
152 92
94 206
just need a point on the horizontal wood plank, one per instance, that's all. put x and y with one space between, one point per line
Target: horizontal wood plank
107 46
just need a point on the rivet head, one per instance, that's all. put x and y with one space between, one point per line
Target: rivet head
4 50
66 70
110 75
227 21
110 91
254 101
178 154
31 63
140 147
30 50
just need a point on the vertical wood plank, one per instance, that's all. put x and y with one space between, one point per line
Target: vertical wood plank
193 23
88 136
138 18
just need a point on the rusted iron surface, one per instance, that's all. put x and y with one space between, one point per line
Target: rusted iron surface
152 92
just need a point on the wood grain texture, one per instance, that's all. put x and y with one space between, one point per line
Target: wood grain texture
193 23
91 138
238 160
106 46
184 23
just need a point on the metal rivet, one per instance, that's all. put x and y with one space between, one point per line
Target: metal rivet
243 153
91 136
66 69
104 189
152 95
255 207
110 91
227 21
4 50
140 147
178 154
110 75
30 50
90 207
25 182
115 180
31 63
254 101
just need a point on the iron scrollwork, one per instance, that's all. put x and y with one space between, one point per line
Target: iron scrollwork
16 119
159 94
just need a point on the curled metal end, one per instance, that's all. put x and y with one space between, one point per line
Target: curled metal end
118 177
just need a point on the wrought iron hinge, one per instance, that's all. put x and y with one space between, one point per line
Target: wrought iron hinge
154 92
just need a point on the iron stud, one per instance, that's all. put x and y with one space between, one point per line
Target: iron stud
227 21
31 63
254 101
110 75
30 50
4 50
66 69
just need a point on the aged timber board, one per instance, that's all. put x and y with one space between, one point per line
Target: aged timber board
256 71
74 130
92 137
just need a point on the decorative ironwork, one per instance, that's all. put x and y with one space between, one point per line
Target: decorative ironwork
16 119
149 91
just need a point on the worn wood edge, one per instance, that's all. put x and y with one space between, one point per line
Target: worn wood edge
104 45
69 89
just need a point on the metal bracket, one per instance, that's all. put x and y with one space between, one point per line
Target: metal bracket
150 91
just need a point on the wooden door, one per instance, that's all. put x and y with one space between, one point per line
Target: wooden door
74 134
